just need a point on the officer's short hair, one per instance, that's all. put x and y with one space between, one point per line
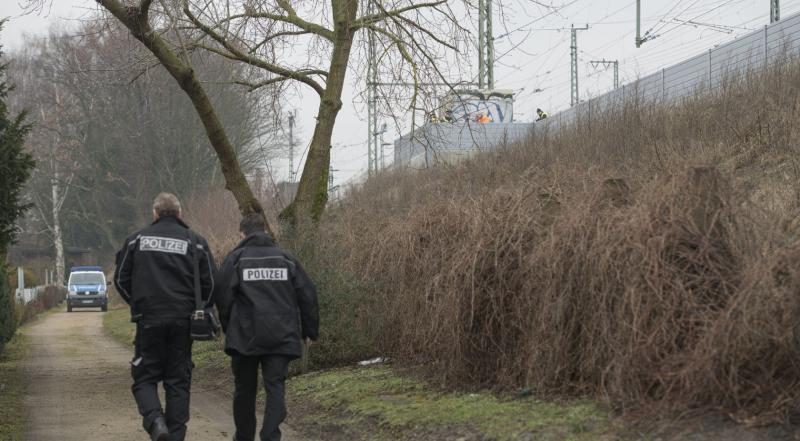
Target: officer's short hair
252 223
167 204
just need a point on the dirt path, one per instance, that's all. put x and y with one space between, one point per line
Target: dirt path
80 387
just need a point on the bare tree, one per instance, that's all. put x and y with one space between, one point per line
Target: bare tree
266 34
177 62
285 41
415 38
52 142
62 171
111 131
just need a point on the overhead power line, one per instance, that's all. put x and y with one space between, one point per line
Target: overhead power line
692 19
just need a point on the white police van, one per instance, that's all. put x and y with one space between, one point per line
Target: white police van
87 288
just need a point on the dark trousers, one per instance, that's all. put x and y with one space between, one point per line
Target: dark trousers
163 354
245 372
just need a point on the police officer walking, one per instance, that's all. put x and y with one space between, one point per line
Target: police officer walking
260 289
155 276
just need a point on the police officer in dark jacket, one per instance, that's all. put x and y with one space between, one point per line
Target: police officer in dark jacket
155 276
260 289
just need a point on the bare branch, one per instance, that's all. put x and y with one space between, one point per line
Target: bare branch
255 86
383 15
401 47
234 53
275 36
427 32
292 19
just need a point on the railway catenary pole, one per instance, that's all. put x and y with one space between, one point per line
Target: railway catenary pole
639 23
481 43
774 10
372 99
607 63
291 147
489 36
574 95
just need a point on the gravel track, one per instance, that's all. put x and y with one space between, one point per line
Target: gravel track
79 387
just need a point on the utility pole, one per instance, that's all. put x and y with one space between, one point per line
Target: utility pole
291 146
378 140
384 144
485 45
641 39
490 46
774 10
639 23
481 43
574 96
614 64
372 99
332 189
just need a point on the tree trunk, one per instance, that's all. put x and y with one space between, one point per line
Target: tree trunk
136 20
312 192
58 199
58 237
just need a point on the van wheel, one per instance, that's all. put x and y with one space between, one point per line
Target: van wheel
69 307
105 308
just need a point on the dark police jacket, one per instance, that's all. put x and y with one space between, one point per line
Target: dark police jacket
155 270
260 289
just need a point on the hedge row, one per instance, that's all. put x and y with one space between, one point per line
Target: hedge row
8 322
13 314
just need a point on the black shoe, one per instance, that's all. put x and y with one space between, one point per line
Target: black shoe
158 430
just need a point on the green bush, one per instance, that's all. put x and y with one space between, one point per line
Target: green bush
15 165
345 331
15 169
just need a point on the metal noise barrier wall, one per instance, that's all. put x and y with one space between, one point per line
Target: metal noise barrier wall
701 73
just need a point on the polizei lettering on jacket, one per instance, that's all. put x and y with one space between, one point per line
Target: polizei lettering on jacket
163 244
256 274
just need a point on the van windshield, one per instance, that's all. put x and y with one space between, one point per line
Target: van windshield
87 279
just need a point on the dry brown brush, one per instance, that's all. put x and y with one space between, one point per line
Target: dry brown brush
658 295
649 259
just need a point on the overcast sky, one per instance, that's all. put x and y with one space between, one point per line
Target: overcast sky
531 53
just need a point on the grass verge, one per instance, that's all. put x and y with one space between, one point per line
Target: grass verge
381 403
117 323
12 390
